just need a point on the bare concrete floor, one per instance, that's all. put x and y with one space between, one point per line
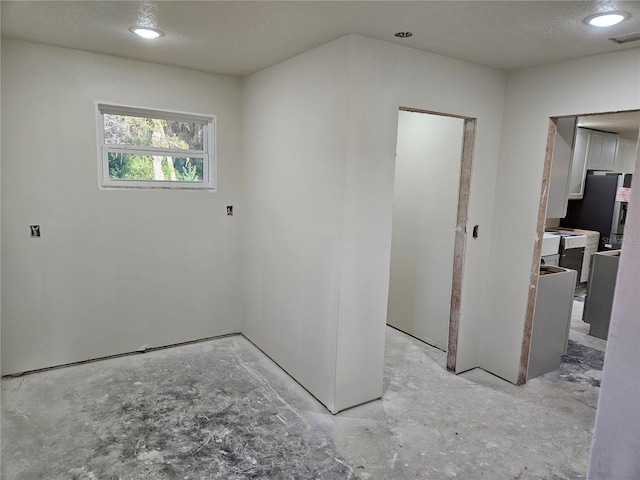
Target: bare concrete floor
580 330
222 410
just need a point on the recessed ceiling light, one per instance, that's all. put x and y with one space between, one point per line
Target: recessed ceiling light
404 34
146 32
606 19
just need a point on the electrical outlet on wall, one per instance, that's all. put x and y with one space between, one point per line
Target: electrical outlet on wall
35 230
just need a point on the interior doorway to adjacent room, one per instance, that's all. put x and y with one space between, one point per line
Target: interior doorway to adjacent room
431 189
581 149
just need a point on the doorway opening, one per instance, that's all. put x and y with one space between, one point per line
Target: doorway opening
430 214
588 165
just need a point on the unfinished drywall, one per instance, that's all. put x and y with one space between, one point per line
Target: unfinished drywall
319 149
616 442
295 124
114 270
425 206
533 96
385 77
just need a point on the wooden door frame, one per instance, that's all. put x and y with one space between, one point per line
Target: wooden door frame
537 251
460 246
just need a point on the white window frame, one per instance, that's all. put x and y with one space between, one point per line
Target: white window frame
207 153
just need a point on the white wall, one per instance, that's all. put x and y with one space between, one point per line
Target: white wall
534 95
320 139
114 271
385 77
616 438
425 208
319 149
295 121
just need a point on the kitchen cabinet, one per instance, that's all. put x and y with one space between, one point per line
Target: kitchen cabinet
592 150
602 150
609 152
593 240
560 167
551 320
590 247
576 150
579 164
600 291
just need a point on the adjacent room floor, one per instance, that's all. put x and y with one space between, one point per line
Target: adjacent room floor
222 410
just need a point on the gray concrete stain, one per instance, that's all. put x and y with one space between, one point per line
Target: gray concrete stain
159 420
222 410
579 364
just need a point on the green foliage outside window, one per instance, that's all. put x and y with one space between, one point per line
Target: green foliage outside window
126 166
129 131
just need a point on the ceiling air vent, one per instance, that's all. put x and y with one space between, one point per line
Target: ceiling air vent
630 37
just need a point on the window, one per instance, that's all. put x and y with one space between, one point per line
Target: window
151 148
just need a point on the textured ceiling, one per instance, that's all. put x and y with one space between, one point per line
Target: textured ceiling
241 37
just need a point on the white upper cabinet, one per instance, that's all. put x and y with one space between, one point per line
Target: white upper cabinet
593 150
609 152
602 150
576 150
559 183
579 164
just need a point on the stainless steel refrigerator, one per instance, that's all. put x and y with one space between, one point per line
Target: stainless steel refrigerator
602 208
